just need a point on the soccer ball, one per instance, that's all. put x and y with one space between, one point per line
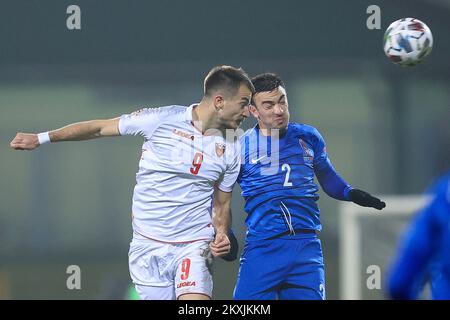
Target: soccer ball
408 41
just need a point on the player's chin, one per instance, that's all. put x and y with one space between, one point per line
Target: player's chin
235 124
279 124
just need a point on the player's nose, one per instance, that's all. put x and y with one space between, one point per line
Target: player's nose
278 109
246 112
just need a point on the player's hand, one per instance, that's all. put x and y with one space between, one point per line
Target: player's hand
365 199
25 141
220 246
232 255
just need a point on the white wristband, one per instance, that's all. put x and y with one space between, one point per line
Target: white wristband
43 137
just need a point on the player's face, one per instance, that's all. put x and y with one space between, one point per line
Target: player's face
271 109
235 108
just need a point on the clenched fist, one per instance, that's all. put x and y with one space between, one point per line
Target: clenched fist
220 246
25 141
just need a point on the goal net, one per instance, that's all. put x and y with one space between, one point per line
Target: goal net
368 242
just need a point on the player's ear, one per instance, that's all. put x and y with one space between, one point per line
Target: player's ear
218 102
254 111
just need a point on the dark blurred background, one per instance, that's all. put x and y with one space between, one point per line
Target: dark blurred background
387 128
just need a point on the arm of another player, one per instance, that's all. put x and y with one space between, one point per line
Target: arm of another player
222 221
73 132
418 245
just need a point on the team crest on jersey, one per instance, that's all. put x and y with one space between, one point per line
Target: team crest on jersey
220 149
308 153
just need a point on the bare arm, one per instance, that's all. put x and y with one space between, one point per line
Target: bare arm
73 132
222 211
222 223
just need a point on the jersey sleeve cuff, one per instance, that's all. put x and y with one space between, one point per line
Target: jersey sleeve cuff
347 192
120 126
225 188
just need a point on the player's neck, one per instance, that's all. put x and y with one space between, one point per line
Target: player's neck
272 132
203 118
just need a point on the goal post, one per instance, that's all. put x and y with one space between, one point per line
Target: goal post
368 235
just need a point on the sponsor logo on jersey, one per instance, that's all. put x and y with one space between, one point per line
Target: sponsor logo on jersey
183 134
186 284
220 149
255 161
308 153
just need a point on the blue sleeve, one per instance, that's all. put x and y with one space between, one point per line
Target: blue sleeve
416 250
329 180
244 156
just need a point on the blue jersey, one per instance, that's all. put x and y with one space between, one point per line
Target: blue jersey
277 180
424 252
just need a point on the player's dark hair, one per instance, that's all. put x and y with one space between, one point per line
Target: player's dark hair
266 82
228 78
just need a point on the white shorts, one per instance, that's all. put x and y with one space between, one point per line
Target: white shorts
165 271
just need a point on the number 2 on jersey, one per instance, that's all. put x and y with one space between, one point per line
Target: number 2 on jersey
197 163
286 167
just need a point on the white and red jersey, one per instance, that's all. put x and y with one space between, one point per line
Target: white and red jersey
177 173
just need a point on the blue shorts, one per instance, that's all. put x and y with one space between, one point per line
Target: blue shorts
285 268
